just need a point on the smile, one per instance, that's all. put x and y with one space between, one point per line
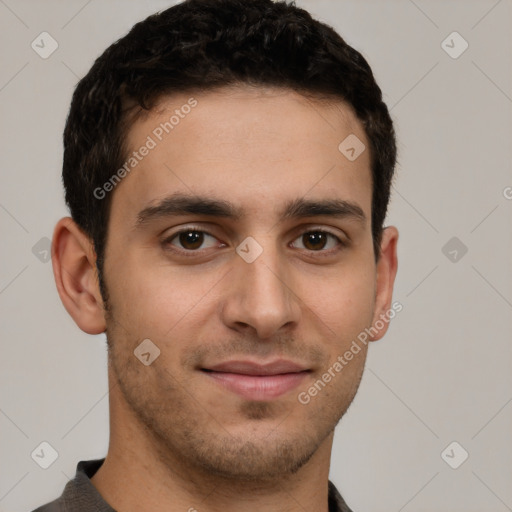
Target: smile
254 381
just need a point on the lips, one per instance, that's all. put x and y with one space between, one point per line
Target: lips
256 381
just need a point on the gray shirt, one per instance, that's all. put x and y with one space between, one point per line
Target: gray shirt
80 495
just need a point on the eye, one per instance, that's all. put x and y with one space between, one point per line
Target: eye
190 239
319 240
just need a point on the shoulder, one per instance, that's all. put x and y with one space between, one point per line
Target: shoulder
336 502
54 506
79 494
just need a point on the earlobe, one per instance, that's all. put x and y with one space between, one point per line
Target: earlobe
387 266
74 269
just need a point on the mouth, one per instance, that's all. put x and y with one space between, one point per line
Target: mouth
256 381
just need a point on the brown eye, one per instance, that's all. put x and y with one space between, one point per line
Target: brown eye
191 240
315 240
318 240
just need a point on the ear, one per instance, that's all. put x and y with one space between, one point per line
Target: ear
74 268
387 266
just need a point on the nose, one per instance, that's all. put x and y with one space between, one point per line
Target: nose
261 297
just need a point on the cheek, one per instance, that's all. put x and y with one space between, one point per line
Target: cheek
157 299
343 300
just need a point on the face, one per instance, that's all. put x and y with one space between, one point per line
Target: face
240 245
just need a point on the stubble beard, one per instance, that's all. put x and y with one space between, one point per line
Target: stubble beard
185 433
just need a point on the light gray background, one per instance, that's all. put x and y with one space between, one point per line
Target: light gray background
443 371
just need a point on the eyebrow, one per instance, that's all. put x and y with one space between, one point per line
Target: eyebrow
180 204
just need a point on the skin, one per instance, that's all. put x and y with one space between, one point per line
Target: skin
178 438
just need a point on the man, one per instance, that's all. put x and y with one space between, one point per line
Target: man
227 165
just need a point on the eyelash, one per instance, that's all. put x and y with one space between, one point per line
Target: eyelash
189 253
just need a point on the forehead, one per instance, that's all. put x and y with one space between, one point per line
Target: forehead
257 148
